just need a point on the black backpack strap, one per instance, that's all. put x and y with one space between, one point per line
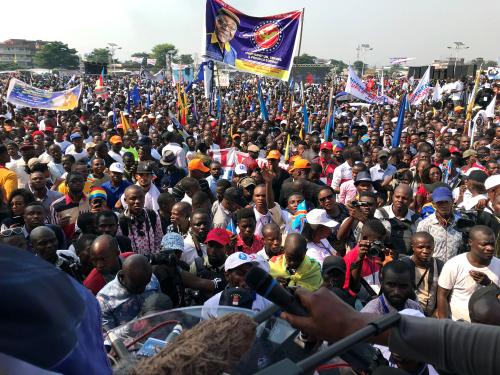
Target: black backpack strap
384 213
152 218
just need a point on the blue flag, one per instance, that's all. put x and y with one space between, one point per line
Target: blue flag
330 126
306 118
280 106
231 228
136 97
399 125
128 99
252 107
148 100
263 109
290 86
114 116
299 218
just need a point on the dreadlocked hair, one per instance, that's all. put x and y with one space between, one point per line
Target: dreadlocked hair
211 347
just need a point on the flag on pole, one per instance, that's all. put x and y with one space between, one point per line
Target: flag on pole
125 123
262 104
490 109
306 118
101 78
382 83
231 228
128 99
114 116
422 90
329 127
470 104
287 148
280 106
136 97
399 125
148 100
437 93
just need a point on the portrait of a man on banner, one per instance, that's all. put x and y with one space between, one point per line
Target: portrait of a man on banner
218 42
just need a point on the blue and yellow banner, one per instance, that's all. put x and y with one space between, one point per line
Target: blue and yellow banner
21 94
259 45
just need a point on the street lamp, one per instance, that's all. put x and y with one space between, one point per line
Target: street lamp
459 46
112 48
361 49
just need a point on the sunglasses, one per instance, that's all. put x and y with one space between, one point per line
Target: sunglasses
324 199
11 232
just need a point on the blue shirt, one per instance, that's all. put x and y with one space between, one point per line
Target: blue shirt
113 193
227 55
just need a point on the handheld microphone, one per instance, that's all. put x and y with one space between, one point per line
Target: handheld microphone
174 334
269 288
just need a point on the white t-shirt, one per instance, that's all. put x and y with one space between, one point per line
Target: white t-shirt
320 251
455 277
78 155
209 309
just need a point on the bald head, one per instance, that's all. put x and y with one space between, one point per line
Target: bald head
295 250
44 242
404 189
133 189
478 230
41 232
134 198
270 229
136 273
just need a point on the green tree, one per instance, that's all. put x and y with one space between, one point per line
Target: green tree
395 69
160 51
141 54
99 55
338 65
490 63
304 59
56 55
185 59
8 66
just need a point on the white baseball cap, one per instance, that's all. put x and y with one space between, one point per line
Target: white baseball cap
240 169
492 182
319 216
237 259
111 114
116 167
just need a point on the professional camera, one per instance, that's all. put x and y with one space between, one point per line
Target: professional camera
376 249
167 258
466 219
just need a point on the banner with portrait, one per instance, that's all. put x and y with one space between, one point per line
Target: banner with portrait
259 45
21 94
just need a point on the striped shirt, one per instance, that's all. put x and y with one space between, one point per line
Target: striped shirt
66 207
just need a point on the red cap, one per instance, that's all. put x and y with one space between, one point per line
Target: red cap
326 146
219 235
37 132
454 150
49 129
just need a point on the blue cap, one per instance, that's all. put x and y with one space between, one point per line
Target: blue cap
172 242
74 136
442 194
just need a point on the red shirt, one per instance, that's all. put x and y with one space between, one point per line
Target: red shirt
327 168
257 245
368 268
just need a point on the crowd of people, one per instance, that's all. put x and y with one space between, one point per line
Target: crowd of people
151 219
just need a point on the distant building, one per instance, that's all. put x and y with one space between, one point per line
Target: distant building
19 51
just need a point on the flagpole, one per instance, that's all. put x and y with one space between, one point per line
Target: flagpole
329 110
301 29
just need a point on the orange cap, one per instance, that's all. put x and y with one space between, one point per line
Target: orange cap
301 164
197 164
115 139
274 154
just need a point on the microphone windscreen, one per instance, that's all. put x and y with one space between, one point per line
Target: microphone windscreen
259 280
211 347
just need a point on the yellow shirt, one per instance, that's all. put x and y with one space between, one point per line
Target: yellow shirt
8 183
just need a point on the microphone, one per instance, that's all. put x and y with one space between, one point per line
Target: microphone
269 288
174 334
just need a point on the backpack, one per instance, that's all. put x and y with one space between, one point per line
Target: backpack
400 232
124 221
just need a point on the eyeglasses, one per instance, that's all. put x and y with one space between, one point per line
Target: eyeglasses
327 198
225 26
11 232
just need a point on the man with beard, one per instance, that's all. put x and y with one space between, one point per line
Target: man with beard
194 246
396 290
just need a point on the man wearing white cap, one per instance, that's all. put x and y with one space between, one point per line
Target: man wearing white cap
240 171
116 186
320 226
492 186
237 293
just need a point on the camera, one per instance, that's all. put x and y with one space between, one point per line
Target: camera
359 204
376 249
466 219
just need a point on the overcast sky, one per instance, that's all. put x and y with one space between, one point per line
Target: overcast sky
332 29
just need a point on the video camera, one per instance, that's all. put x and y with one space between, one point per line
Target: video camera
359 204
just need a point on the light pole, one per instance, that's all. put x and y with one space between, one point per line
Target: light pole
459 46
361 50
112 48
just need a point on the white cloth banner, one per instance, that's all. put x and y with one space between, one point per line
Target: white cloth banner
356 88
437 93
422 90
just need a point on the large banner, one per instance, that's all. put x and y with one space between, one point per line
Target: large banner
422 90
356 88
260 45
24 95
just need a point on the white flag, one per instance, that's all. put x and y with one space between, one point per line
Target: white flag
490 109
356 88
422 90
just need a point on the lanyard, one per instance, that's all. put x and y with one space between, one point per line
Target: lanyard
384 306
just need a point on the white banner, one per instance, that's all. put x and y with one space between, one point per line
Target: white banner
423 88
356 88
400 60
151 61
223 79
